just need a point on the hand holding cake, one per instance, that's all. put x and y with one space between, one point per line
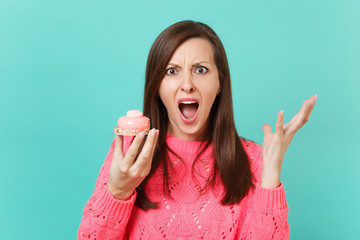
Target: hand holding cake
127 171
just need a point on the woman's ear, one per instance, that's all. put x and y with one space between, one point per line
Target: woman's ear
219 90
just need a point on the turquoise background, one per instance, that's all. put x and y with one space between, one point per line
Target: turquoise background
69 69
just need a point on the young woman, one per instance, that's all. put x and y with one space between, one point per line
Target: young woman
193 177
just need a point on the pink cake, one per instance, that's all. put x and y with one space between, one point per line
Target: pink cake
132 124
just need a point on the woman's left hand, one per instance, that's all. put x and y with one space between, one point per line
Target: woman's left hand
276 144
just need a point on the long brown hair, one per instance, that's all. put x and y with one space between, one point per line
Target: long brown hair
231 160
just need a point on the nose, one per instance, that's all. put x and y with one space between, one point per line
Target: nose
187 84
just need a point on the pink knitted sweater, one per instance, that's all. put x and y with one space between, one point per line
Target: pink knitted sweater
192 213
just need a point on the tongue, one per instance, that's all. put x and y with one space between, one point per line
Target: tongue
188 110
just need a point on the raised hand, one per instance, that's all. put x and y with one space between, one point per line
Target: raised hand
127 172
276 144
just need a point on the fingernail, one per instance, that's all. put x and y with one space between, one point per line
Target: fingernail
141 135
152 132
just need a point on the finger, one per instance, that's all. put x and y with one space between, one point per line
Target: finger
118 152
301 111
153 149
279 125
304 113
146 153
133 150
293 120
312 102
288 125
297 121
302 116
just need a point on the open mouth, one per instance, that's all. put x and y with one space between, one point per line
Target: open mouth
188 110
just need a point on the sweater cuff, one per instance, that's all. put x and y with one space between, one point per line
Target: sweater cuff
270 199
107 204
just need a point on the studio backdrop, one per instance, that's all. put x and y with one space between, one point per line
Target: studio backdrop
70 69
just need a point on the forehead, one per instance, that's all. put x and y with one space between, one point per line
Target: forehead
194 49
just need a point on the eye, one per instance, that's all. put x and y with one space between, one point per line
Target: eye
201 70
171 71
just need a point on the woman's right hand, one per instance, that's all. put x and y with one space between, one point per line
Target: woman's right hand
126 172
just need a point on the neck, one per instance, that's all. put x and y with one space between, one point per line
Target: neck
186 148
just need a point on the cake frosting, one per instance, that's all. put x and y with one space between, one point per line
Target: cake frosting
132 124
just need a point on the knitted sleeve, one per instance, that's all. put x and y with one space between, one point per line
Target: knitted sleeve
267 208
105 217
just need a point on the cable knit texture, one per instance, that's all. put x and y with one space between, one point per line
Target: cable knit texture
192 213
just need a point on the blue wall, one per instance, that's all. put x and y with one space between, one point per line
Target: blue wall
68 70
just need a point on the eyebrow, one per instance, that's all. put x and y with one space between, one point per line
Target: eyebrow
195 64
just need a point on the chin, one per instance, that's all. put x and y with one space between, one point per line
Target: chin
192 132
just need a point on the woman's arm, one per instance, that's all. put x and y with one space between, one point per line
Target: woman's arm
267 209
107 213
268 213
105 217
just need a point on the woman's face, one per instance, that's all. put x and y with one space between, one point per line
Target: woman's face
189 88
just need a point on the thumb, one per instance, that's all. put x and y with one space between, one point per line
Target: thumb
266 129
267 132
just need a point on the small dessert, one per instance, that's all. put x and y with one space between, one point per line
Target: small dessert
132 124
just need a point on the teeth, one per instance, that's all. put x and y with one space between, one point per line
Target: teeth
188 102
